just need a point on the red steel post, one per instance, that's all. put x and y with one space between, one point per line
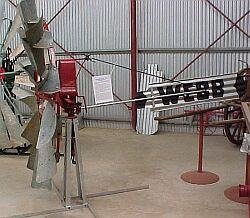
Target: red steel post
200 148
133 61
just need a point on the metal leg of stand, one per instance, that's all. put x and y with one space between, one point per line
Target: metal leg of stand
67 165
68 200
72 124
79 166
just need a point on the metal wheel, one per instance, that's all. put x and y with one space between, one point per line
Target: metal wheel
234 132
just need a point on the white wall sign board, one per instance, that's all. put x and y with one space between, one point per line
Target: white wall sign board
102 86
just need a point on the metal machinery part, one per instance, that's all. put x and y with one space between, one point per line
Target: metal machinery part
233 111
67 99
8 84
232 117
236 193
234 131
55 87
8 66
199 176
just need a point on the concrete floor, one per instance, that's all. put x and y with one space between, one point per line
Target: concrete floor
115 159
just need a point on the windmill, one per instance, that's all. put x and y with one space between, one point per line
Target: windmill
53 87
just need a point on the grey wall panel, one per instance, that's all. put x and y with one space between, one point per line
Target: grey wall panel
190 23
207 65
86 24
91 25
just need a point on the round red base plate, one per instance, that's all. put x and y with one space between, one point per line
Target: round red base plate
200 178
232 194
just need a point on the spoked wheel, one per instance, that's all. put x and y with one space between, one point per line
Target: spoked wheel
234 132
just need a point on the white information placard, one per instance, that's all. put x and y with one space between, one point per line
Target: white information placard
102 86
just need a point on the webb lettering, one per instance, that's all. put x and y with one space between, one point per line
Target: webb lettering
216 88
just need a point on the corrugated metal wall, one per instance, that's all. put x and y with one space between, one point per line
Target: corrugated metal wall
176 31
170 33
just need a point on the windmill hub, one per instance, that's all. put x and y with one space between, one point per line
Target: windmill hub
66 97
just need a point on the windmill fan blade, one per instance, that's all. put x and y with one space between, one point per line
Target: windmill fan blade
24 80
51 84
30 37
46 41
28 12
35 40
36 57
26 97
48 125
46 164
22 67
31 131
4 138
25 66
12 124
31 103
47 184
34 33
32 158
10 35
17 51
46 167
21 64
21 92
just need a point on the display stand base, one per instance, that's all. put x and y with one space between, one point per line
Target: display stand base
232 194
65 195
200 178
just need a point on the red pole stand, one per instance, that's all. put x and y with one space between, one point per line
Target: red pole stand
199 176
235 193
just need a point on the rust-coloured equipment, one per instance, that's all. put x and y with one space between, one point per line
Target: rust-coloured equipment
234 123
199 176
239 110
